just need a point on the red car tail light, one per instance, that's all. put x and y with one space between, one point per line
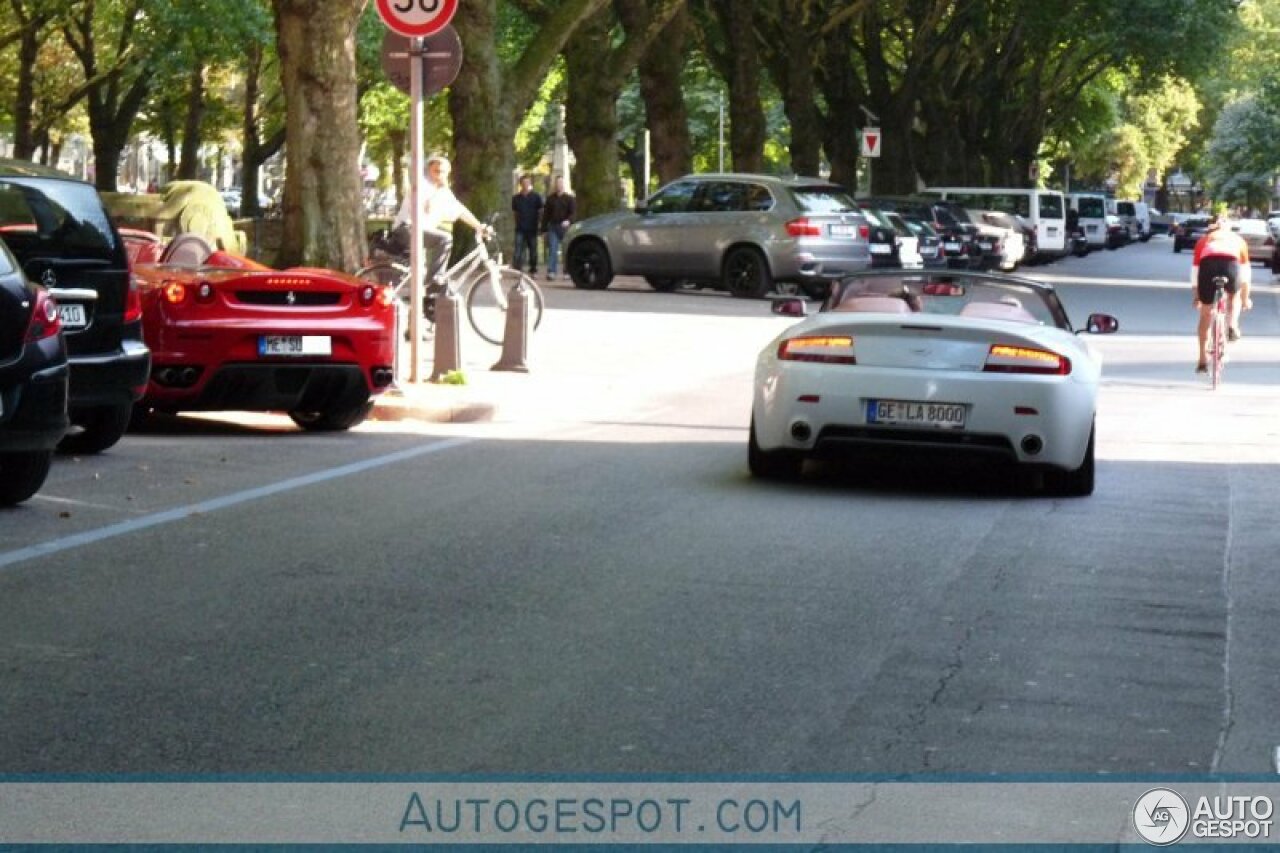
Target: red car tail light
386 298
45 322
204 292
1004 358
827 349
133 301
366 295
174 292
864 231
802 227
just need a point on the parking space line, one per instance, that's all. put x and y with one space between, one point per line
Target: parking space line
76 540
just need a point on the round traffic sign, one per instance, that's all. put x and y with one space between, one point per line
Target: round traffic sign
441 60
417 18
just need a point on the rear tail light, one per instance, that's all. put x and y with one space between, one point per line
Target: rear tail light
386 298
367 295
44 318
828 349
802 227
204 292
864 231
1004 358
133 301
174 292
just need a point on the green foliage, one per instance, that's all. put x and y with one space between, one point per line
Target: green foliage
1242 161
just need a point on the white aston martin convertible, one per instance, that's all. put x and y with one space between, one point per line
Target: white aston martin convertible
901 361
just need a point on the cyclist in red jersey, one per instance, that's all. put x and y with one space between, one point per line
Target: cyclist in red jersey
1220 252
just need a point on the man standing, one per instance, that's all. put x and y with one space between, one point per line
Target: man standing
557 216
527 206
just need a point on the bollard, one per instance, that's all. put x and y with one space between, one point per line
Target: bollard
448 348
518 330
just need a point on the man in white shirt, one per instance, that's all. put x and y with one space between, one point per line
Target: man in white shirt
440 207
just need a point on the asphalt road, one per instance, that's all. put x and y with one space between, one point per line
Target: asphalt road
592 582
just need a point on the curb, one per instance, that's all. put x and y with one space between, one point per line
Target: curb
432 403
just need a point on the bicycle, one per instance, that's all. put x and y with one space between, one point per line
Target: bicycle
1218 319
484 289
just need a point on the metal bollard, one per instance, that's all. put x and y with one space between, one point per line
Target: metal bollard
518 330
448 347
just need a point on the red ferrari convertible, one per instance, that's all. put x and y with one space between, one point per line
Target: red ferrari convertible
228 333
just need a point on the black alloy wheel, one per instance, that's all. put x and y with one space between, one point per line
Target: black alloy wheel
22 475
333 420
588 263
100 428
746 274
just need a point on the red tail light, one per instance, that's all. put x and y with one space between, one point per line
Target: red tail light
1004 358
828 349
44 319
864 231
802 227
133 302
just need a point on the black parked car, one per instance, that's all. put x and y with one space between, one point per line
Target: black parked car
956 230
1189 231
33 383
62 238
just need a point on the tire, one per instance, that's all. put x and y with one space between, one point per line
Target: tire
1177 247
662 285
588 265
333 420
772 464
745 274
1077 483
100 428
384 273
488 315
22 475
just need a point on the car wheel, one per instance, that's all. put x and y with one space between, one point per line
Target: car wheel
662 285
589 267
22 475
333 420
772 464
746 274
1077 483
1177 247
100 428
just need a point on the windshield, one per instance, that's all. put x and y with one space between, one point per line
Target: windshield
954 294
40 217
1018 204
1094 208
823 200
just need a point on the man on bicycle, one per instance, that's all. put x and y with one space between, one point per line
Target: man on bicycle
1220 252
440 207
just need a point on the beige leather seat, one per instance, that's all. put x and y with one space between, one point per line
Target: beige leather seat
187 250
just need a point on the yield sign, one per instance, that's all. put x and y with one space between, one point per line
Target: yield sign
871 139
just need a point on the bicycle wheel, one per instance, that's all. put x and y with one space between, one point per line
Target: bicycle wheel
487 306
385 272
1217 346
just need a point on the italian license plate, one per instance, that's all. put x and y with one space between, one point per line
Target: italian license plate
916 413
842 230
295 345
72 316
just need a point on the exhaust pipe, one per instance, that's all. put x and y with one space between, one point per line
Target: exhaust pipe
801 431
1032 445
382 376
189 375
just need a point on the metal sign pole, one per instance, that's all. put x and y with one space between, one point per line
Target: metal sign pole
416 258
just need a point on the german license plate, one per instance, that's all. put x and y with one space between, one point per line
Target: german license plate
72 316
881 249
1092 229
842 230
916 413
986 247
295 345
951 247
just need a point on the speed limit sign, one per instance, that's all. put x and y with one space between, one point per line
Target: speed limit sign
417 18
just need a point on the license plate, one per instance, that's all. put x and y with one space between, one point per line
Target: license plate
986 247
916 413
1092 229
842 230
881 249
295 345
951 247
72 316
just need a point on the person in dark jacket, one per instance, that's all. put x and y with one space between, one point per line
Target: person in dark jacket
557 215
527 206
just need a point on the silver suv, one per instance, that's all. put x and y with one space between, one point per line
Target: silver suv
743 233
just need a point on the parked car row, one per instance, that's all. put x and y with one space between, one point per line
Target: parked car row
101 325
751 234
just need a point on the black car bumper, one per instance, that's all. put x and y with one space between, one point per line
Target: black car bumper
112 378
272 387
33 412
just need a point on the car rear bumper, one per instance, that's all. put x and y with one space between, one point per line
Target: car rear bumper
34 411
112 378
269 387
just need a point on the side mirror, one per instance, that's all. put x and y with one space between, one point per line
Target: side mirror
789 306
1101 324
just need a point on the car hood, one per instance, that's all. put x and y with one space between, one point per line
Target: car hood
603 222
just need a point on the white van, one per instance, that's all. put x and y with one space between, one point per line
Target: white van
1092 210
1045 211
1136 216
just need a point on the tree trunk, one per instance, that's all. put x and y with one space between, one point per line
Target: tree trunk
323 214
483 131
747 127
843 93
24 142
791 66
189 165
591 119
667 118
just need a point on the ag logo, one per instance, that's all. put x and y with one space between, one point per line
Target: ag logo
1161 816
50 278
